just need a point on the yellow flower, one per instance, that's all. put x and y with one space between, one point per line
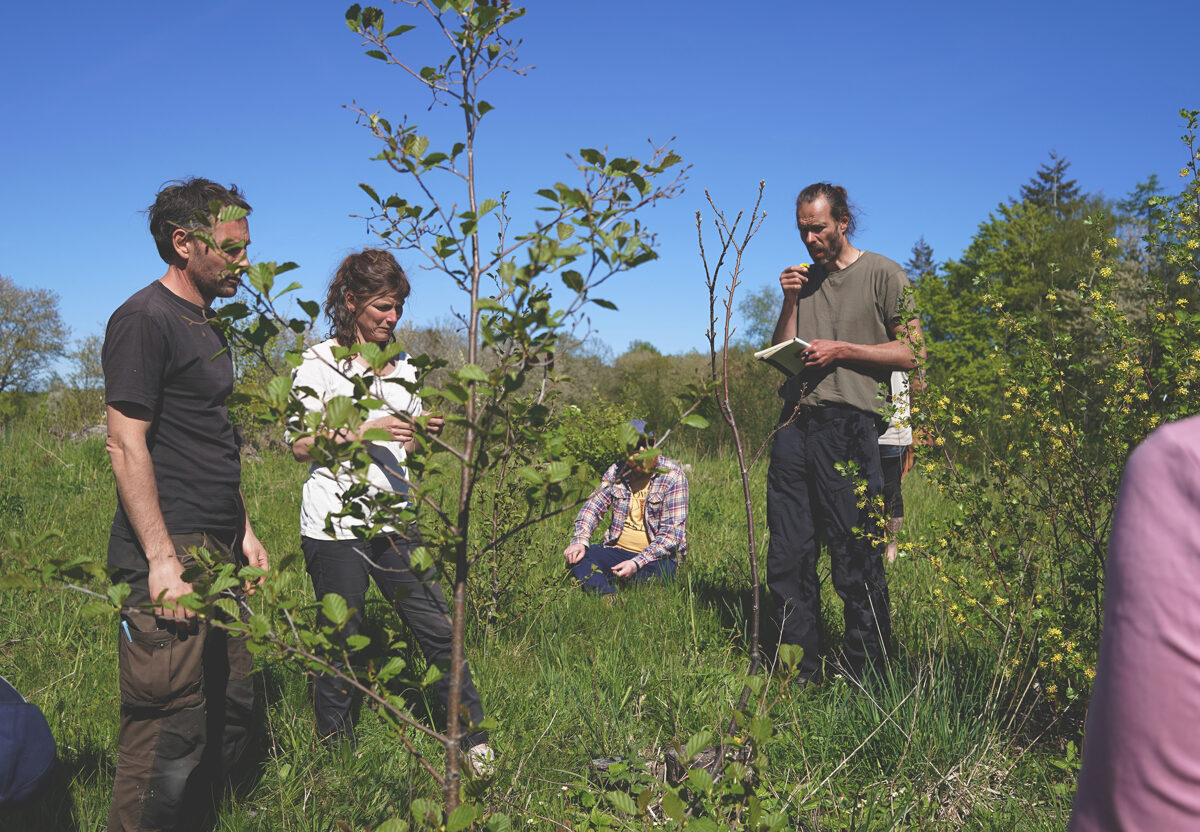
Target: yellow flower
1053 632
1106 272
1051 689
1096 254
1183 172
1090 672
1056 658
1114 242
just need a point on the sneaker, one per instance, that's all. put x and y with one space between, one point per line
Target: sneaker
482 759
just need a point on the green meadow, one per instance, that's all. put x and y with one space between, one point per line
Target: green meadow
566 677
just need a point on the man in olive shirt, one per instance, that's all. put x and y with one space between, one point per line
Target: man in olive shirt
186 690
849 305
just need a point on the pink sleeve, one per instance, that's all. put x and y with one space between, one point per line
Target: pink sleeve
1141 753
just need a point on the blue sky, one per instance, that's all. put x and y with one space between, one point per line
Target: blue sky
929 113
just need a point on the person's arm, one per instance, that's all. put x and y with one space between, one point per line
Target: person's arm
314 374
400 431
133 469
791 281
904 352
253 550
589 517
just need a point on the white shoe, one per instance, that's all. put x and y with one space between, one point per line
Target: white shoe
482 759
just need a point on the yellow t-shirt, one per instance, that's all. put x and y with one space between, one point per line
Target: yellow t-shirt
634 537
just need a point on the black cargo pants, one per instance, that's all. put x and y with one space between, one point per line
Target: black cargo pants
806 499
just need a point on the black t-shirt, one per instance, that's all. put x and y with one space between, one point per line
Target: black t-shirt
161 352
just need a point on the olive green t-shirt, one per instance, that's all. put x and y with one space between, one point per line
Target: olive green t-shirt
856 305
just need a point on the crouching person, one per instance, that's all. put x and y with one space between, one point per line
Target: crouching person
647 532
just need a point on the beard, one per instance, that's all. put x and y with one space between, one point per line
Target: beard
829 253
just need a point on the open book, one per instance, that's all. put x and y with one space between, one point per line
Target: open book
785 357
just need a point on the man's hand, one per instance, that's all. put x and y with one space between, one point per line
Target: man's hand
256 555
166 579
625 569
792 280
822 352
574 553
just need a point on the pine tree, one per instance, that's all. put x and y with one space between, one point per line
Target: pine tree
920 263
1049 189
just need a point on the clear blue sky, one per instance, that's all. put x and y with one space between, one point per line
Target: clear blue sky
929 113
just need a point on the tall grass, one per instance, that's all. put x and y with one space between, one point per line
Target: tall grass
571 679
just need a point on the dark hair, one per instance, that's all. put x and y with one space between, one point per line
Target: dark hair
184 203
365 275
835 195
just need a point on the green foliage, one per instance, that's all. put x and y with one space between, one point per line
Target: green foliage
32 335
1033 461
593 436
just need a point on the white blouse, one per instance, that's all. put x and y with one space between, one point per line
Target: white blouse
324 489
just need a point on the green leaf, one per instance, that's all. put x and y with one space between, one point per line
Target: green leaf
94 609
484 108
460 818
499 822
557 471
357 642
354 17
334 608
394 667
117 593
375 53
592 156
622 802
695 420
228 606
607 304
530 475
790 655
700 780
703 825
369 191
392 824
673 806
230 213
697 743
424 809
472 372
486 206
16 580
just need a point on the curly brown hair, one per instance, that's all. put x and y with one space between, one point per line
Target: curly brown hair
362 277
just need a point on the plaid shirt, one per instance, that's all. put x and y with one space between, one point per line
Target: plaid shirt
666 511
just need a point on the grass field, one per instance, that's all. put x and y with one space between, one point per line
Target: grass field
567 678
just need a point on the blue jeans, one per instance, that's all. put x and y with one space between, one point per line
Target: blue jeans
594 570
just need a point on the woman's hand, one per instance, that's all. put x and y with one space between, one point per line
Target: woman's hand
400 430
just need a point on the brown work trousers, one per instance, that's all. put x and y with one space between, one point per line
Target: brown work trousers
187 700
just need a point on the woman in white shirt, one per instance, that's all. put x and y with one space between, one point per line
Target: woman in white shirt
364 304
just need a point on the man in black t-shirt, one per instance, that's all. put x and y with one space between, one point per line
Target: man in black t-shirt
186 690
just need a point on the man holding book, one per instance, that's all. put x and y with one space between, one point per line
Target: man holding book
850 310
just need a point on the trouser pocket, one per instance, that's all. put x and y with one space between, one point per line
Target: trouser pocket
160 668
